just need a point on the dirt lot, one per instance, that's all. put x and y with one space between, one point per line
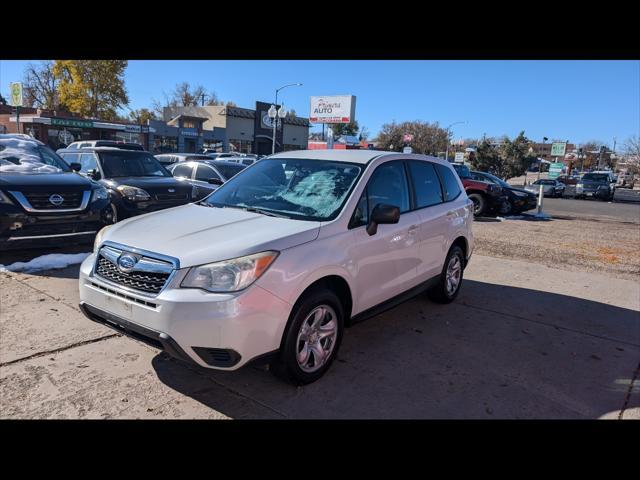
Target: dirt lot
608 247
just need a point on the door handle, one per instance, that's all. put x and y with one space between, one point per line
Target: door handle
413 229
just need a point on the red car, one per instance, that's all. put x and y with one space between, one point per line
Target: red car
486 197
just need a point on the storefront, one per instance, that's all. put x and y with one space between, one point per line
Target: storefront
59 131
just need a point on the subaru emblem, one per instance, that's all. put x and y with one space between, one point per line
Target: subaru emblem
56 199
126 262
171 190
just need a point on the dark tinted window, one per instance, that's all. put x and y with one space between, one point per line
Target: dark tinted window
182 170
462 170
449 182
425 184
49 157
123 163
388 185
596 177
229 171
204 173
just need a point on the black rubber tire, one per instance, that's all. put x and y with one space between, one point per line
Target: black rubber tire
506 208
286 366
438 293
479 204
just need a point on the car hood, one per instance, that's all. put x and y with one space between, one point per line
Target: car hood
195 234
35 181
518 190
536 188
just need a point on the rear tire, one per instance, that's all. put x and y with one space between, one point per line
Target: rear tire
479 204
312 338
452 271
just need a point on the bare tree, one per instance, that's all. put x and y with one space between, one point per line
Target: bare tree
41 86
184 95
428 138
632 146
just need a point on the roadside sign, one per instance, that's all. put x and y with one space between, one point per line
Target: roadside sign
407 150
555 169
459 157
558 149
16 93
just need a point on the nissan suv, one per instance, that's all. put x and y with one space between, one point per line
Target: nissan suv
276 262
43 201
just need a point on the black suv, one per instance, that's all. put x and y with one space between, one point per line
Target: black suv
43 202
136 181
600 185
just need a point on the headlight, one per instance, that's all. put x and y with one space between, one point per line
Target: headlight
4 198
579 185
229 275
134 194
519 194
99 237
100 193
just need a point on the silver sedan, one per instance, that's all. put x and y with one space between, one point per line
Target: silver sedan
550 188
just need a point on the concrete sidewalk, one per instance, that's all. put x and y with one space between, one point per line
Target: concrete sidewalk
521 341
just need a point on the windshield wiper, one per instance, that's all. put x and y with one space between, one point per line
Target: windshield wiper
256 210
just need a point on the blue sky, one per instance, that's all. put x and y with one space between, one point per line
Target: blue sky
573 100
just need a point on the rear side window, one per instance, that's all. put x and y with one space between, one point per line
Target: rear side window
449 182
425 184
182 170
71 157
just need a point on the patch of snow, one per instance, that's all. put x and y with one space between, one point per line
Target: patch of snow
50 261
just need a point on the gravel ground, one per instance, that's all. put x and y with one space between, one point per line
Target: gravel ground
611 248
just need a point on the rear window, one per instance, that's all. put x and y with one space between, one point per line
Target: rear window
596 177
462 170
129 164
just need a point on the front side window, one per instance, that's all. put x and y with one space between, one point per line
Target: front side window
49 157
295 188
204 173
182 170
449 182
388 185
425 184
131 163
88 162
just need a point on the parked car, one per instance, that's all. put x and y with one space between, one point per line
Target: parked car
625 180
519 200
596 184
167 159
103 143
550 187
43 202
273 268
569 179
137 183
486 197
246 161
220 156
205 175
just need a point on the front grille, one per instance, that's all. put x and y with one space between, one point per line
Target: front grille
172 197
40 201
148 282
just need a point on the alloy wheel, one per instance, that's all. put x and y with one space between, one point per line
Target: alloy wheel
316 338
453 275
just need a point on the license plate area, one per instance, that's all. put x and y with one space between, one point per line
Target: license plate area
119 307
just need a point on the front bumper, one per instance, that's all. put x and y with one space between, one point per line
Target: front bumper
19 229
212 330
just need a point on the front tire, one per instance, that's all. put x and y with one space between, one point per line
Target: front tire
312 338
450 281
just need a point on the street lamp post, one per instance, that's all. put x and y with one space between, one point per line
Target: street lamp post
275 112
446 155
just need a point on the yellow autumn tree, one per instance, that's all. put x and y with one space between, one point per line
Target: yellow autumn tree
92 88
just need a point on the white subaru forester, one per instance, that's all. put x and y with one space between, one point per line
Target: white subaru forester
273 265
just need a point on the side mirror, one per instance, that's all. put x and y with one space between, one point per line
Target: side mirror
95 174
75 166
382 214
215 181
